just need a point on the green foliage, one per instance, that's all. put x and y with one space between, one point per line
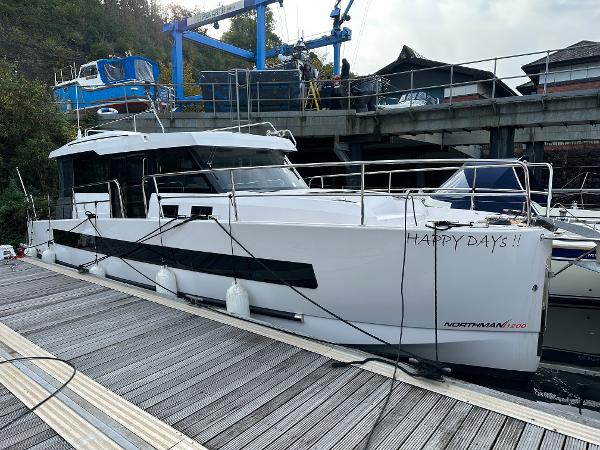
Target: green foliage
30 127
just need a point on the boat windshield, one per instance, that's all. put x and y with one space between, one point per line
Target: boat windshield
483 180
267 179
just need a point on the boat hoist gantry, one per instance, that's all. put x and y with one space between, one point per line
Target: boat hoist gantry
184 29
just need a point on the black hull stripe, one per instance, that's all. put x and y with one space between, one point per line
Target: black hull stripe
572 302
246 268
571 253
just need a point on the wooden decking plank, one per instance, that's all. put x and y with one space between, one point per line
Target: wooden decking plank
53 443
393 417
467 431
213 388
509 435
250 394
271 427
313 422
223 338
170 396
251 403
488 432
430 423
447 429
574 444
552 441
365 425
530 438
245 429
409 422
119 350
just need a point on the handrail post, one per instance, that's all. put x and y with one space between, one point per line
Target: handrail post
390 183
144 195
362 194
233 200
494 79
160 212
126 102
258 97
451 82
348 83
473 191
110 213
73 203
120 198
549 198
213 98
546 75
412 86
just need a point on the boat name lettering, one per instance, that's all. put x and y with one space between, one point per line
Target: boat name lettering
489 241
507 324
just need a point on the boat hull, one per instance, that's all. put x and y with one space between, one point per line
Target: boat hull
475 298
573 325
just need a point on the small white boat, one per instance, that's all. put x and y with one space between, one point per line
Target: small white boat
219 206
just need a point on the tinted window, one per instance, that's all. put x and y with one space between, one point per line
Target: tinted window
249 180
114 71
143 70
89 72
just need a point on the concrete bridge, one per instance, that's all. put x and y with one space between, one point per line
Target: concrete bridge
501 122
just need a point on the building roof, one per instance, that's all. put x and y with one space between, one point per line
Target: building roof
581 51
526 88
113 142
408 55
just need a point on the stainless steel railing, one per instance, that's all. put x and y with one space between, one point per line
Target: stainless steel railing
362 191
237 89
109 191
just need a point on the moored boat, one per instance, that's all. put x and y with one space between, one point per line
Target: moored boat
573 323
127 85
214 207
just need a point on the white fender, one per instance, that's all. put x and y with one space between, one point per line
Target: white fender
97 270
237 300
48 256
166 282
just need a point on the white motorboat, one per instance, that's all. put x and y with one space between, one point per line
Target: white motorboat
573 323
219 206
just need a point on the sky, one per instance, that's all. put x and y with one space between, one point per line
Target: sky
451 31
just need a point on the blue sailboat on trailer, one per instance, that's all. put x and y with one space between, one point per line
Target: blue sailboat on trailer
126 84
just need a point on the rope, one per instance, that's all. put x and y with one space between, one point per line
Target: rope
53 394
424 368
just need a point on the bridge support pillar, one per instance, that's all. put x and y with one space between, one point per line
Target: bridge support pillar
535 154
502 142
535 151
356 154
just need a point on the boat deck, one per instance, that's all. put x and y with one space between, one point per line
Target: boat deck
159 373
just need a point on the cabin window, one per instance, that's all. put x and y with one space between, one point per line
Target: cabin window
268 179
114 71
143 70
89 72
89 168
170 211
202 211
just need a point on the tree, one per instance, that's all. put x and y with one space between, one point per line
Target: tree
242 33
30 127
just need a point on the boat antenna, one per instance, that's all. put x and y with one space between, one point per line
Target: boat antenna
77 111
27 197
49 224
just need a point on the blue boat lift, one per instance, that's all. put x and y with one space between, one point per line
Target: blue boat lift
184 30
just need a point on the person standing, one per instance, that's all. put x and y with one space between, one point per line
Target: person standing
345 69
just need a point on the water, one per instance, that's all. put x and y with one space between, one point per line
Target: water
568 392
